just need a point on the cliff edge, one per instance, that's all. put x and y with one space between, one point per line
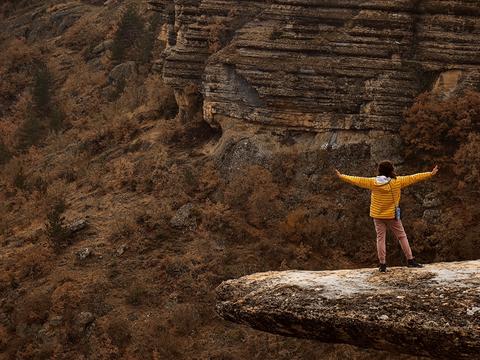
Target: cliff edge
434 311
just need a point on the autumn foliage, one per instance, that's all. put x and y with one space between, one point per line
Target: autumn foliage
447 132
435 129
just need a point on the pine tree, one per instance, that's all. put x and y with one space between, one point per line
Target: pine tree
57 118
30 132
128 34
148 40
56 229
41 92
43 114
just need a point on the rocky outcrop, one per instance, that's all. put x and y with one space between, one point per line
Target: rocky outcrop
319 65
434 311
40 20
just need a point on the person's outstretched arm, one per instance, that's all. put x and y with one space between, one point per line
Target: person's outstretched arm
412 179
363 182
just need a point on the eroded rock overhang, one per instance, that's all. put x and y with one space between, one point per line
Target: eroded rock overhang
319 65
434 311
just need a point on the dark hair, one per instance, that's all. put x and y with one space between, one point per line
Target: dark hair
386 168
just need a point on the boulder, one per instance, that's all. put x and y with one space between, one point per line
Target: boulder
77 225
122 72
431 200
184 218
102 47
83 254
84 319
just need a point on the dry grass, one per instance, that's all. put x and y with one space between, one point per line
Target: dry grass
119 332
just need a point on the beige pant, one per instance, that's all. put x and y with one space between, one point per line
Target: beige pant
397 228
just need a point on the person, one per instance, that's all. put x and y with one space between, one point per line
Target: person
385 197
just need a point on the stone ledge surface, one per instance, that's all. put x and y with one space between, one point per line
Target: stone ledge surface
434 311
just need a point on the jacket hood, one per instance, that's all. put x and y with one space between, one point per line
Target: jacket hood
382 180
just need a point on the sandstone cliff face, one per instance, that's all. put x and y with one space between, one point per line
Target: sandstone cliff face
433 311
318 65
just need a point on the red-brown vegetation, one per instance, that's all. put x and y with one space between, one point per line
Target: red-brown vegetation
447 132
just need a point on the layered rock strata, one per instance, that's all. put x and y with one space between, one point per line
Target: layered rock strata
318 65
433 311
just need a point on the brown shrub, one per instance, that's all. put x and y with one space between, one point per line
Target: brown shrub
185 319
448 132
434 129
254 192
7 280
160 97
81 91
122 227
467 161
89 29
168 346
3 338
136 295
119 332
218 32
66 298
102 346
33 308
33 262
17 64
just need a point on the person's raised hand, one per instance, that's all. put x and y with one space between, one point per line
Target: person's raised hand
435 170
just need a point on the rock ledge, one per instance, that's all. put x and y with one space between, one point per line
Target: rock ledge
434 311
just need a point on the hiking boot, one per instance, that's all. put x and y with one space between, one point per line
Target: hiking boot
383 268
412 263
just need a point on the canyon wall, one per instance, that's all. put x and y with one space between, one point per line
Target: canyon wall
317 65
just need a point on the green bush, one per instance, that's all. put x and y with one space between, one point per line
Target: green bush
56 120
133 40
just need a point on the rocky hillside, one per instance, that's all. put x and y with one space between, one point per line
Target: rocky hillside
150 152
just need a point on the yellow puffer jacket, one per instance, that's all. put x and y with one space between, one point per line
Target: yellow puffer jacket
386 192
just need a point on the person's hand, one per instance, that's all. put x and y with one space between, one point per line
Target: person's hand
435 170
337 173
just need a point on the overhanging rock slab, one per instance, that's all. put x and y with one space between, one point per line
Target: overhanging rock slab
434 311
